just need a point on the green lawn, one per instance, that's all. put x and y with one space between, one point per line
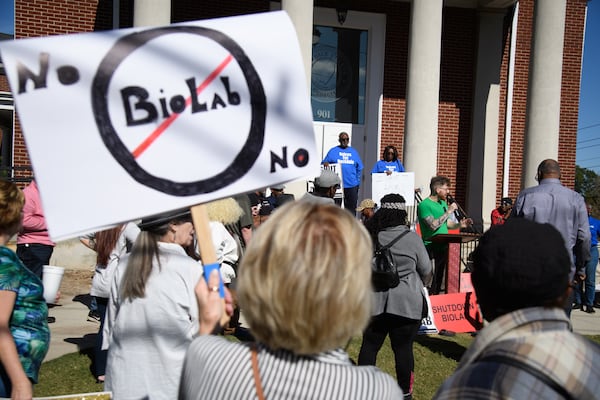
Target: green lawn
435 359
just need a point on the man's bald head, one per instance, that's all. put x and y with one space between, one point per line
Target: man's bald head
548 168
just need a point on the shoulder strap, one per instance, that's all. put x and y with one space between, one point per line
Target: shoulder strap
257 382
513 362
390 244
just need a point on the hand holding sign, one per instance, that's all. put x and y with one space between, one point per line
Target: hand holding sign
212 309
207 304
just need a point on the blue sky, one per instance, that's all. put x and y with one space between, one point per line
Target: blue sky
7 11
588 137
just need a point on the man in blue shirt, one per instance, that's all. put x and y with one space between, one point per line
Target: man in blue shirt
586 290
550 202
352 167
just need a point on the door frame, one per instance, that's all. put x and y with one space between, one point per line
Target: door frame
366 139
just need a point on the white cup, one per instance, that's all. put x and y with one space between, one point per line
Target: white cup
51 279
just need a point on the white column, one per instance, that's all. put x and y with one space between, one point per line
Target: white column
151 12
301 14
545 77
422 92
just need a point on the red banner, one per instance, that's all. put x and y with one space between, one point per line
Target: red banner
457 312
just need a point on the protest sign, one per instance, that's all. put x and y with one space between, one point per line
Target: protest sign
128 123
428 323
457 312
402 183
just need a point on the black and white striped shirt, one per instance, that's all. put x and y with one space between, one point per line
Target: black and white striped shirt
216 368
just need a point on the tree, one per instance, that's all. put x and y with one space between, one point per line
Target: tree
587 183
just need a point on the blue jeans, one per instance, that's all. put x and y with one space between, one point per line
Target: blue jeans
99 354
586 290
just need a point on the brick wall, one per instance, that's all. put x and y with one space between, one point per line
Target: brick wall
459 39
57 17
394 79
572 62
502 108
571 80
4 84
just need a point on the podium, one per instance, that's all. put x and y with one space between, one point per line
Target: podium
454 240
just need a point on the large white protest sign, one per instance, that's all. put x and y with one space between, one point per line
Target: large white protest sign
402 183
128 123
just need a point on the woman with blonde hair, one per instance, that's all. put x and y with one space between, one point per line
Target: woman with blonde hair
304 286
223 215
24 333
228 212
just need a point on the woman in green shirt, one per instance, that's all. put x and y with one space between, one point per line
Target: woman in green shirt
24 333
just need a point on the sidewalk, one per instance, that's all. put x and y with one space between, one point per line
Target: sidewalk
72 332
586 324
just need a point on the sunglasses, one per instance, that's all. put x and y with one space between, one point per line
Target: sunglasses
344 139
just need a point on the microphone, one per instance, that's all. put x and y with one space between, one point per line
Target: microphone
459 212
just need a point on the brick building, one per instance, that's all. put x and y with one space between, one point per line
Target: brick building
478 90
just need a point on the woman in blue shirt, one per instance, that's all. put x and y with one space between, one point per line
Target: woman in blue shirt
390 163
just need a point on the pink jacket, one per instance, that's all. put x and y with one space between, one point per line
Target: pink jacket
34 224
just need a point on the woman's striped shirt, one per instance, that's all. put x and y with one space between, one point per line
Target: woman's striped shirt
216 368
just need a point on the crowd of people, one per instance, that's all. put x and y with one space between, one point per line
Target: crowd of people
302 282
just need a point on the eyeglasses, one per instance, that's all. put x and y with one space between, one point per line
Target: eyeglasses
344 139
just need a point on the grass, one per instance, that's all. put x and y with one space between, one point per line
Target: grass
436 358
68 374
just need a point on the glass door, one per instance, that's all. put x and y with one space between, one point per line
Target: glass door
347 83
338 80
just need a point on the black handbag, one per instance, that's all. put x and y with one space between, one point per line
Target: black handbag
385 272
